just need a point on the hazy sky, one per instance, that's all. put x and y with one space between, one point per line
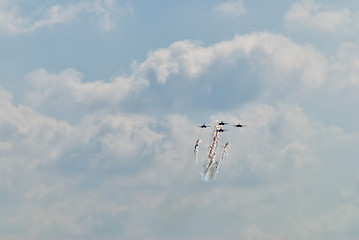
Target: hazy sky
99 100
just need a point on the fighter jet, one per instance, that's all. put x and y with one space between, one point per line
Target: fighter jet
221 130
203 126
239 125
221 123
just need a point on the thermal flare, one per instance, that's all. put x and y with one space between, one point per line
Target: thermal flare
224 149
196 149
210 169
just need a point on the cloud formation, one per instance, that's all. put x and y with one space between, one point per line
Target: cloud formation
12 22
276 54
345 66
122 171
68 88
100 167
269 65
232 8
316 17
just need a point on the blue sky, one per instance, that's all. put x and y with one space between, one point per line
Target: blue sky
99 101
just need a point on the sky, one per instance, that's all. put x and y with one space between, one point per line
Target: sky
100 99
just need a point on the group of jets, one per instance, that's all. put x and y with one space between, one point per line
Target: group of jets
221 123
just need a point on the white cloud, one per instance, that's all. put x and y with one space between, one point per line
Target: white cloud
309 15
272 55
274 61
108 13
28 140
280 65
159 192
127 137
138 171
31 142
54 202
12 22
343 219
344 67
283 133
76 214
185 56
68 88
233 8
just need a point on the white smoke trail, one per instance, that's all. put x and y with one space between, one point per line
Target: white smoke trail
224 150
196 150
211 168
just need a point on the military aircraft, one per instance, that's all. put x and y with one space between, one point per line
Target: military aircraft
239 125
221 123
203 126
221 130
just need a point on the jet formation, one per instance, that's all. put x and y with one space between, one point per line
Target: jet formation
211 165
